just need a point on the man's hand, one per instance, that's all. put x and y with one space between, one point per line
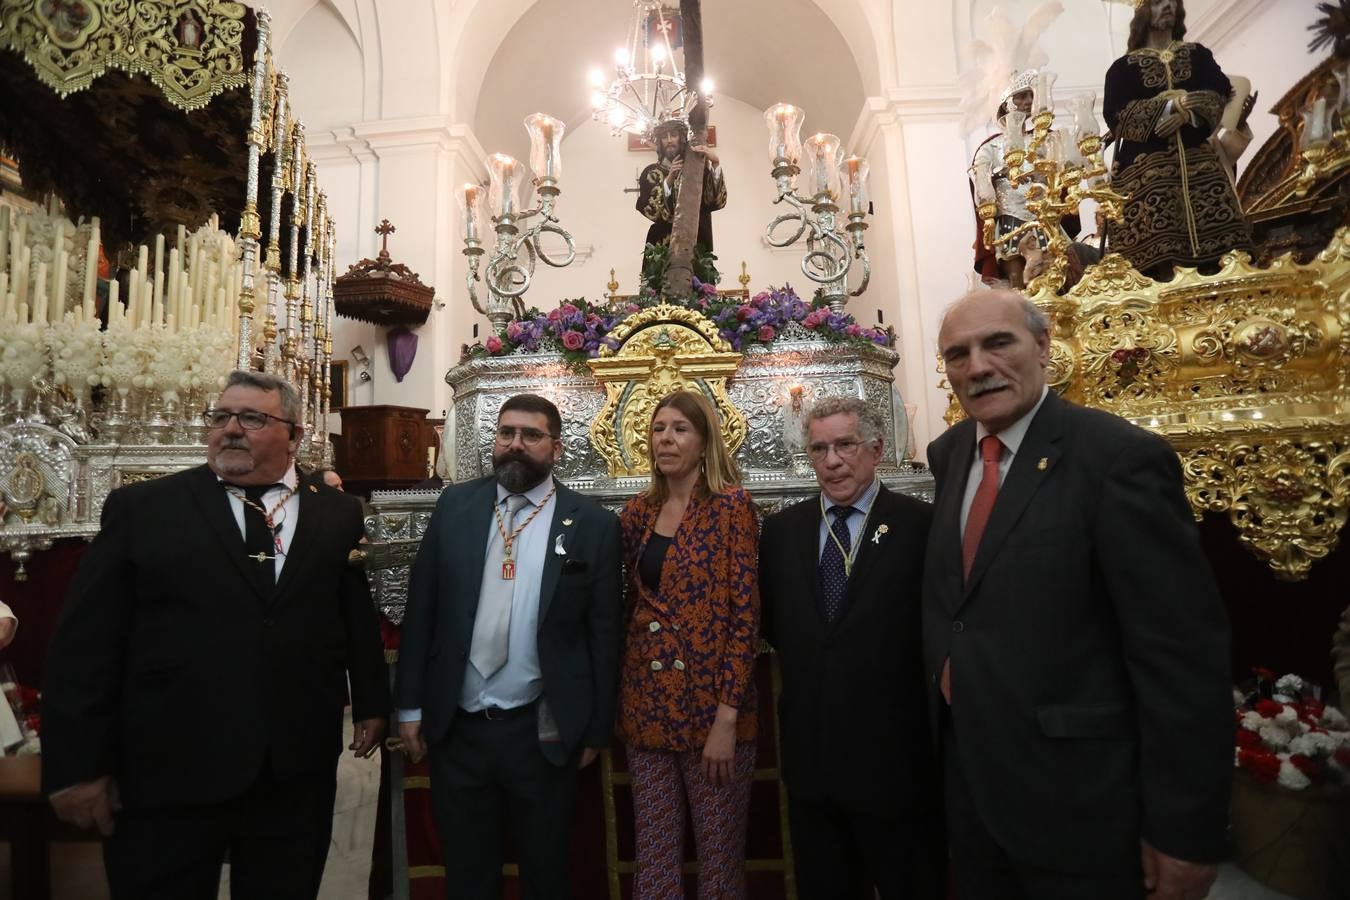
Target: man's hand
1169 878
676 165
709 154
366 737
1171 123
8 625
588 755
88 803
413 745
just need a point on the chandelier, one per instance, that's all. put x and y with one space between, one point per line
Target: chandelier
648 86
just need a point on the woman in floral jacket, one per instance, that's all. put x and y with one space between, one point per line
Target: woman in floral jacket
686 690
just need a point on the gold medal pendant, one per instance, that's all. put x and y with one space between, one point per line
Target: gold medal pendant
508 568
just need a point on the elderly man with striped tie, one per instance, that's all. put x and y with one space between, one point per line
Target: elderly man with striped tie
1075 644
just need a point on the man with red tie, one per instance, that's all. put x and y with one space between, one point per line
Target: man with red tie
1075 643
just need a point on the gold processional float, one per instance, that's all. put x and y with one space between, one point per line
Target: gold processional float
167 132
1244 370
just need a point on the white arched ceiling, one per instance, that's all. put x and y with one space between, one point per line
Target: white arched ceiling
757 51
330 48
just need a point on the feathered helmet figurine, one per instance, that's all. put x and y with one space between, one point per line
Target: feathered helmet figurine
1005 54
1023 80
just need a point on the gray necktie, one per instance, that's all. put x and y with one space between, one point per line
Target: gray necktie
492 624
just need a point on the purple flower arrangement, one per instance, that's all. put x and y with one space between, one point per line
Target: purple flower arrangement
579 329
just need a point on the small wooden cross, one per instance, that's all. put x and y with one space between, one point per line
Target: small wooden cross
384 229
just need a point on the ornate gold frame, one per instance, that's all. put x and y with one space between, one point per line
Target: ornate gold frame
661 350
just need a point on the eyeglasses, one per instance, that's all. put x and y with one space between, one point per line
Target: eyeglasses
844 449
249 419
529 436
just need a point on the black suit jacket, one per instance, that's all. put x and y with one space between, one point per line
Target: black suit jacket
852 714
578 615
1089 648
171 671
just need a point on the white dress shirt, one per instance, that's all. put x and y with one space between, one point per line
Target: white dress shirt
287 515
861 507
1012 439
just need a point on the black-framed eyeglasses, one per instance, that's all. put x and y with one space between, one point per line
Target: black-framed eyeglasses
846 448
529 436
249 419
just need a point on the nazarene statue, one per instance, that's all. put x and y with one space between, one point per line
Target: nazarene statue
1164 100
659 183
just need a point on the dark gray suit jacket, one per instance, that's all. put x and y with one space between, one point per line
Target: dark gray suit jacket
1091 688
578 615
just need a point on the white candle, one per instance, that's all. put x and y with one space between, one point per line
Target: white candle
157 314
175 296
58 307
159 269
6 298
21 280
4 239
40 294
114 303
90 272
1318 124
23 313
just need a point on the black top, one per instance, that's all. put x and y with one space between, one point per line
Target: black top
649 567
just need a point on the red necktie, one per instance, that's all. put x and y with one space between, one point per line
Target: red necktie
991 450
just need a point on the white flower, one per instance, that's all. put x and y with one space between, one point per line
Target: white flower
1287 716
1289 684
1239 698
1290 776
1274 736
1311 744
1334 718
1252 720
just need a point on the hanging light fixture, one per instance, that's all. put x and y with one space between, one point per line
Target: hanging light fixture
648 87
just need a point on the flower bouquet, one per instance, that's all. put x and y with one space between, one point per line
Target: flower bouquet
1291 797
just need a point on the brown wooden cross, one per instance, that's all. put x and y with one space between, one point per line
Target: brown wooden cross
384 229
689 200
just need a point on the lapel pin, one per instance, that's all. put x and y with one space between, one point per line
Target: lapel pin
313 489
558 547
565 522
1043 464
881 529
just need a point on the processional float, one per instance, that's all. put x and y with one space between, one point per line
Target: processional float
166 132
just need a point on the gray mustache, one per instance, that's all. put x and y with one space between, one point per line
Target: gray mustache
234 444
984 385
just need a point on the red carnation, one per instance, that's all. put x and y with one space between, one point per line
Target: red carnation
1248 740
1314 708
1269 708
1307 765
1260 764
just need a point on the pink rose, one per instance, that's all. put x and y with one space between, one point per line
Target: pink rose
743 313
572 340
568 309
761 298
493 344
513 330
853 330
811 320
632 308
554 315
766 333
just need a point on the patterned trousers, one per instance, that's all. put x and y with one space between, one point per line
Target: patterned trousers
663 780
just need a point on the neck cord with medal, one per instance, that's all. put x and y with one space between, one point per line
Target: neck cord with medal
509 540
269 517
852 553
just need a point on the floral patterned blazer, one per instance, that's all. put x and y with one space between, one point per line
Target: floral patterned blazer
691 644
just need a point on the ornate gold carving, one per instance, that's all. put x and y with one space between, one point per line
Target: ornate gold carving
1287 498
1246 372
192 56
126 477
660 350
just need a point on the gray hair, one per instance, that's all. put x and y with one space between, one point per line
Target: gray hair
1037 322
263 381
870 424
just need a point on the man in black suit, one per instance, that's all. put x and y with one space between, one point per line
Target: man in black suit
508 666
195 683
1074 639
839 580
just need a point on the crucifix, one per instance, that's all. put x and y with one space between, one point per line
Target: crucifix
684 226
384 229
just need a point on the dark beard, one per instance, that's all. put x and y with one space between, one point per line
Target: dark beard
669 155
518 472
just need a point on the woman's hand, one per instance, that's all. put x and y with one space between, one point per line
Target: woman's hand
719 753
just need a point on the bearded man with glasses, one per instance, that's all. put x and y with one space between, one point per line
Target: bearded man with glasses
509 660
194 688
839 582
